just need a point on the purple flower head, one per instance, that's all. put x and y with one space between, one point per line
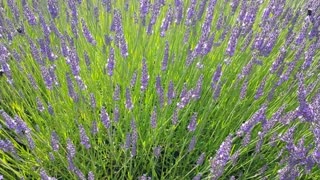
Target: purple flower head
166 22
216 77
221 158
193 123
44 175
14 9
90 175
53 8
110 62
94 128
145 76
247 126
309 55
144 9
84 137
192 144
54 141
157 151
10 122
119 37
71 150
165 57
305 109
244 88
191 11
178 11
128 102
260 89
87 34
40 105
93 101
175 117
279 61
201 159
116 94
116 114
144 177
154 17
7 146
233 42
196 93
105 119
133 79
71 91
32 20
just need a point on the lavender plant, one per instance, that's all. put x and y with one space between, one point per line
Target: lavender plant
159 89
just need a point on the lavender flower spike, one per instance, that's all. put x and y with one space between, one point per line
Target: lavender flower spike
84 137
145 76
71 149
110 62
54 141
221 158
87 34
129 104
154 118
193 123
53 8
105 118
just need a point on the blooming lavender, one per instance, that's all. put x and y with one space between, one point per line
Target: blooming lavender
171 92
87 34
193 122
128 102
71 150
105 119
165 57
145 76
119 37
192 144
55 141
221 158
110 62
53 8
84 139
157 151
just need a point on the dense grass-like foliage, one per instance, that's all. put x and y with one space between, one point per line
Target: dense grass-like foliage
159 89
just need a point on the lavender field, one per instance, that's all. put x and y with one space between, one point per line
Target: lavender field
160 89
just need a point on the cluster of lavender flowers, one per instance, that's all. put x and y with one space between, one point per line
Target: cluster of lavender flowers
149 88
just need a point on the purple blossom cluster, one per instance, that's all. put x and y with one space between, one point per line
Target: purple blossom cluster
54 75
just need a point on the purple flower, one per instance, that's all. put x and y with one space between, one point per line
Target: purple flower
175 117
128 102
191 12
244 88
197 90
144 9
154 17
233 41
40 105
110 62
193 123
7 146
166 22
145 76
134 138
201 159
32 20
133 79
192 144
116 94
278 61
44 175
260 89
84 137
90 175
93 101
178 11
71 91
14 9
221 158
119 38
54 141
309 56
104 116
53 8
10 122
216 77
157 151
165 57
116 114
87 34
94 128
197 177
71 150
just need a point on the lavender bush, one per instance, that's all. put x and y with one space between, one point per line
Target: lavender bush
160 89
